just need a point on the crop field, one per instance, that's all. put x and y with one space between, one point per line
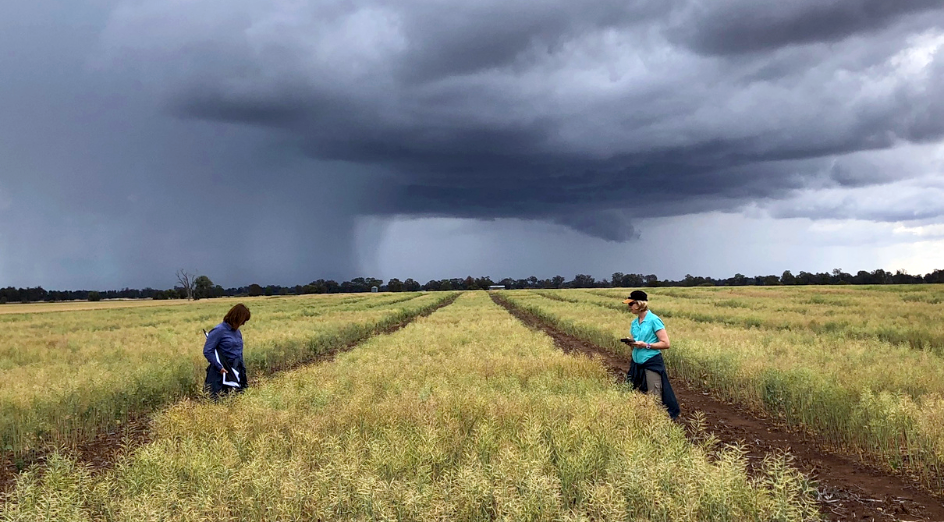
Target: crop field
462 415
860 368
68 372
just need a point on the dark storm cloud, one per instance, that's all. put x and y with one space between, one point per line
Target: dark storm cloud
100 189
588 114
474 36
743 26
611 224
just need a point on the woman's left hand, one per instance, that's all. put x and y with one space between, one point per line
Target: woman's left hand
639 344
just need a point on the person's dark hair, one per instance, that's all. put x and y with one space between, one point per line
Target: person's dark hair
237 316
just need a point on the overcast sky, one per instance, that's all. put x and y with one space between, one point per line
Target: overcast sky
280 142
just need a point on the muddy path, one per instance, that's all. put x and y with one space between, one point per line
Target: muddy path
846 488
106 448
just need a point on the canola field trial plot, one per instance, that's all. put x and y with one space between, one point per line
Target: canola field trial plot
861 368
67 375
462 415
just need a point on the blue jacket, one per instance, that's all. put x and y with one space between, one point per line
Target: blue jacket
229 342
637 377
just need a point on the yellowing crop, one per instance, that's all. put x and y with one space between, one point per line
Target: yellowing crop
68 374
463 415
860 367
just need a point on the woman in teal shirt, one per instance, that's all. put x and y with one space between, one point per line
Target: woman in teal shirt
647 370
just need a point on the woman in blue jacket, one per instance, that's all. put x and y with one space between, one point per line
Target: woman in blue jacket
224 351
647 370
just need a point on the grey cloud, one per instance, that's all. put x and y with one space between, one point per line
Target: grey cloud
611 224
476 36
743 26
584 115
907 209
919 201
99 189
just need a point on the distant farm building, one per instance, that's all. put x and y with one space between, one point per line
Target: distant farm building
374 289
497 287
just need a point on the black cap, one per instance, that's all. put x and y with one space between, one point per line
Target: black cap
636 295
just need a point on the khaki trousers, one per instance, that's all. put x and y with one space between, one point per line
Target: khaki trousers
654 383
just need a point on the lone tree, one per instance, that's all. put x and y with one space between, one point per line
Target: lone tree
188 281
203 287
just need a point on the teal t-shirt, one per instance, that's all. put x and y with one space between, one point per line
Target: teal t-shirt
646 332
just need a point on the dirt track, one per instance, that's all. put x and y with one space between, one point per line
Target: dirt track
847 489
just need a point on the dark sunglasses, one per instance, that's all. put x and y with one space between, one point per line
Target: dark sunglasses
631 303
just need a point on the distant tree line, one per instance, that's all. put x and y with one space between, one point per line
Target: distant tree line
205 289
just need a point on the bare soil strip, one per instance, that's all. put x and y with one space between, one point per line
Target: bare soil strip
102 452
846 489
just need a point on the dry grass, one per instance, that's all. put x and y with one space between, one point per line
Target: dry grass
847 383
463 415
66 375
82 306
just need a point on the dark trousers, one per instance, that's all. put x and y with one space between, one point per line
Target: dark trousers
214 384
